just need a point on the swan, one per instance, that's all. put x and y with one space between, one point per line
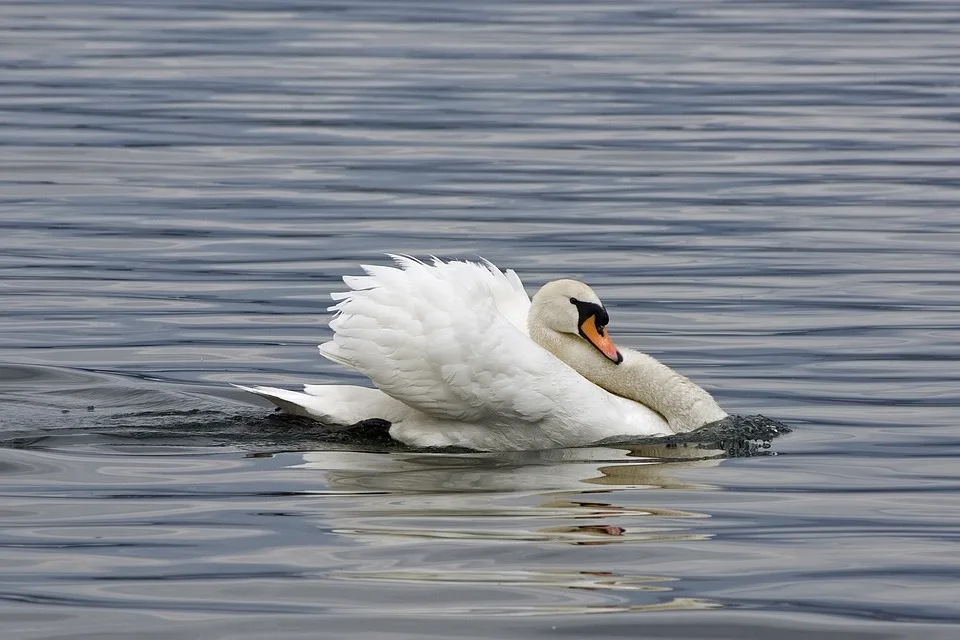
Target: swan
461 356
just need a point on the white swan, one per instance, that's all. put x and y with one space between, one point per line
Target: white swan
460 356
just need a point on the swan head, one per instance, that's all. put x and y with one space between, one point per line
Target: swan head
571 307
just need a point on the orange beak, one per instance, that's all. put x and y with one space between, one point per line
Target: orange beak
600 339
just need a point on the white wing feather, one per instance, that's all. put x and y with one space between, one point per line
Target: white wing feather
448 339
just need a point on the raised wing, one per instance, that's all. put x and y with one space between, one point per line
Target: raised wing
448 338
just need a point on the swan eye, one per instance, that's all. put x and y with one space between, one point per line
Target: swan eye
574 301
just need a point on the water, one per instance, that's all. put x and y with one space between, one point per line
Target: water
764 194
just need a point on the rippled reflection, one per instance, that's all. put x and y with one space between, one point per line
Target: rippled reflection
536 471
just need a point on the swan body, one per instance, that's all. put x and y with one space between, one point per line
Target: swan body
460 356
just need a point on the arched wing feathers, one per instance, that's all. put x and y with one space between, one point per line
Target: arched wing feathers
448 338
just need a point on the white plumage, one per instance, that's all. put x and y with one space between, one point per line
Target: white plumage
448 348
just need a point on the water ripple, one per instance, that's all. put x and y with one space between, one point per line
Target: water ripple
763 195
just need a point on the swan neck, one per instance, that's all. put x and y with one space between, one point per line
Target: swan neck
643 378
640 378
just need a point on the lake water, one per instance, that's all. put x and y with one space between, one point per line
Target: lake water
765 194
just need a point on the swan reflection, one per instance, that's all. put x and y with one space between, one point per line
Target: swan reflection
484 521
635 466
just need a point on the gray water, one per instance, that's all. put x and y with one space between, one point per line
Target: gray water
765 195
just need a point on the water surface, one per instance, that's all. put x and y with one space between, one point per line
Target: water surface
764 195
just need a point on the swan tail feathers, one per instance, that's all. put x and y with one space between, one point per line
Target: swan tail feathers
332 404
292 402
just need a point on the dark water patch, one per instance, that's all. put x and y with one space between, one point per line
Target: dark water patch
212 424
737 436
